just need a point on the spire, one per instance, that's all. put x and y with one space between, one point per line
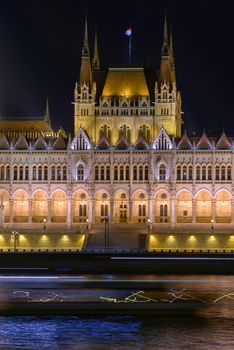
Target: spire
85 70
96 62
47 111
172 63
165 48
85 48
165 74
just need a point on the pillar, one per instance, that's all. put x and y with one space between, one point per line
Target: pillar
131 211
213 206
194 211
49 212
69 218
151 211
111 210
172 214
90 212
30 211
232 211
11 211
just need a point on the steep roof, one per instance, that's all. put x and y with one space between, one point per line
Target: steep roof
40 143
59 143
204 142
122 142
21 143
141 142
127 82
223 142
4 144
102 143
184 143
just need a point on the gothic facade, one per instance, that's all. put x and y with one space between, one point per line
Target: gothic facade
127 160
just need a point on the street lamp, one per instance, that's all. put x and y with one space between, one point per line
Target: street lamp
14 236
212 224
148 225
44 221
87 222
106 231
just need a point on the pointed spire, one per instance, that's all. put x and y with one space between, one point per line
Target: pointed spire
223 142
204 142
165 48
85 48
85 70
184 143
96 62
171 51
47 111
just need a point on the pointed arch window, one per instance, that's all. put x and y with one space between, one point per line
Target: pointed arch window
217 172
140 172
96 172
203 172
53 173
127 172
134 172
162 172
108 172
198 172
2 172
45 176
102 172
178 172
209 173
59 173
223 173
34 172
116 172
146 174
8 172
229 172
15 173
121 172
80 172
64 172
190 172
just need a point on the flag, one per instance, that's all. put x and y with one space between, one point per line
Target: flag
129 31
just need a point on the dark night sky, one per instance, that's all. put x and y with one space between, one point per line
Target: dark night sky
40 49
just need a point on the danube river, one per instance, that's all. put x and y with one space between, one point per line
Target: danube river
209 324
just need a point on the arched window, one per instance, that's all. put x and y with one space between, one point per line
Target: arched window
146 174
140 173
59 173
125 129
223 172
80 172
178 172
198 172
217 172
209 173
53 172
184 172
15 173
135 172
64 172
121 172
162 172
26 173
102 172
203 172
40 172
45 176
190 172
8 172
108 172
96 172
2 172
116 172
127 172
34 172
21 172
229 172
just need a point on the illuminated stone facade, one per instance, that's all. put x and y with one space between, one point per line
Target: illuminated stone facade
127 158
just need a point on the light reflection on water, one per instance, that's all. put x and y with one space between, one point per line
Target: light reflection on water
212 328
115 333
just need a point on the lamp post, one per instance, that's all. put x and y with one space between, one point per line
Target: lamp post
106 232
212 224
87 223
14 236
44 221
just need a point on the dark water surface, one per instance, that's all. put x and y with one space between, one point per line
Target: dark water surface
116 333
211 328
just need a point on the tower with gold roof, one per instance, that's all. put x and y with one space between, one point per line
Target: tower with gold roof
130 101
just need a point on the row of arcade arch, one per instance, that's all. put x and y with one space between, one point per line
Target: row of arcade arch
58 208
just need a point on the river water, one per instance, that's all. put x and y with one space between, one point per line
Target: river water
211 327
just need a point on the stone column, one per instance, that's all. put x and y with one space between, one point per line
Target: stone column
91 211
194 211
151 211
131 211
69 218
30 211
173 211
11 211
49 211
213 207
1 215
111 210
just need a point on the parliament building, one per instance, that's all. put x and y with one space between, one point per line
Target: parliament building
127 160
